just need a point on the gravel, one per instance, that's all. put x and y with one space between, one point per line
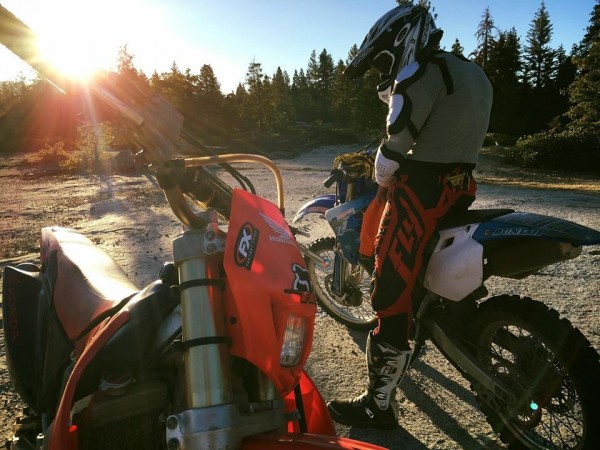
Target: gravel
127 218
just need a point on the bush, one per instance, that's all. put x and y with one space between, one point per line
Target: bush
51 156
573 150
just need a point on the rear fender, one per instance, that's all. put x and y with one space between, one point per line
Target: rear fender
530 225
316 206
20 311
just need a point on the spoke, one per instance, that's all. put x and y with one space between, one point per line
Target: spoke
520 356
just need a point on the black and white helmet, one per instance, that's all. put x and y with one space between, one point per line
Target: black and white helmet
398 38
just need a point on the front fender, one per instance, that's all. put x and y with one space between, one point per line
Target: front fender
316 206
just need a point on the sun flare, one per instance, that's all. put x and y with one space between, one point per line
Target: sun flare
80 38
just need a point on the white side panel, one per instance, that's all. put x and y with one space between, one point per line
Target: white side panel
456 265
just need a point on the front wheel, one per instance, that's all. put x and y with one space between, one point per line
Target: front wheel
352 309
552 370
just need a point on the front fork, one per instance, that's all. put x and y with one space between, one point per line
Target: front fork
212 419
338 282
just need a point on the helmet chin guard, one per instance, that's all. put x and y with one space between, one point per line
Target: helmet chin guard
384 89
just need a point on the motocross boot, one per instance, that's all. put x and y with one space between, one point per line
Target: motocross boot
375 408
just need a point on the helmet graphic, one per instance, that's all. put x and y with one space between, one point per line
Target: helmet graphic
398 38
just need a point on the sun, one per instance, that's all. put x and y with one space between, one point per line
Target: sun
80 37
76 38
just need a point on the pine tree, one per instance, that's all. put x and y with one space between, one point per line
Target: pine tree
325 85
301 98
207 81
584 93
126 68
592 32
504 69
342 95
282 111
485 38
208 99
538 54
457 49
254 107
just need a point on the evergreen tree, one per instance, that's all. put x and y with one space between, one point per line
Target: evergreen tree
209 101
565 75
312 69
592 32
207 81
584 93
320 75
324 86
282 110
301 98
175 86
367 111
504 68
126 68
485 38
255 106
457 49
342 95
538 54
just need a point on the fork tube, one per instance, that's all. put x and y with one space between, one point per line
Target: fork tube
349 191
207 371
339 272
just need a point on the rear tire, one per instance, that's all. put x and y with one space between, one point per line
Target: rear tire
552 368
361 317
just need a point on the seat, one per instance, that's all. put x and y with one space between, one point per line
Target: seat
86 282
471 216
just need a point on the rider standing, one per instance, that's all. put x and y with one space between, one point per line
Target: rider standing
439 110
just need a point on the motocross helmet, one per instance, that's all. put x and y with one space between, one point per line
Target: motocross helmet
399 37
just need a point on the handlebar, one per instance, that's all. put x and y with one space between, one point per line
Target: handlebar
175 194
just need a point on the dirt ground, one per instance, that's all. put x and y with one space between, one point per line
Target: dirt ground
128 218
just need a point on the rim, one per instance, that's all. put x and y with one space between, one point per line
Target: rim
362 314
549 412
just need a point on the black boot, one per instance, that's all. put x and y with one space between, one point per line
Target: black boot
375 408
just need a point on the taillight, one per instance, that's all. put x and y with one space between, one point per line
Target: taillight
293 341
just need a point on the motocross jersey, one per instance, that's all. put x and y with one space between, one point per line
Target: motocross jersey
439 110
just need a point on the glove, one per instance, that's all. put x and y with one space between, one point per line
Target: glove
384 169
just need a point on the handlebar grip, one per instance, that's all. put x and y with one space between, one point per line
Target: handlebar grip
333 178
329 181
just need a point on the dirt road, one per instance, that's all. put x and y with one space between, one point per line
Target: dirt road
127 217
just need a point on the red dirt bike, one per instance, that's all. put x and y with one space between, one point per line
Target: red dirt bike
209 356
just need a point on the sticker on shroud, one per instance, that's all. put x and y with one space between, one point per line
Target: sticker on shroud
246 244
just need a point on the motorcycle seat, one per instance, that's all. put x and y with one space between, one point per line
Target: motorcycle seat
85 281
458 219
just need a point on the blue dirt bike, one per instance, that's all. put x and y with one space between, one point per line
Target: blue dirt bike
534 375
340 279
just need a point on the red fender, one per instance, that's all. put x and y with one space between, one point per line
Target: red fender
318 420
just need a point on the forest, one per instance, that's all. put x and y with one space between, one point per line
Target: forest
546 102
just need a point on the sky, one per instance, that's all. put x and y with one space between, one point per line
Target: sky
81 35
